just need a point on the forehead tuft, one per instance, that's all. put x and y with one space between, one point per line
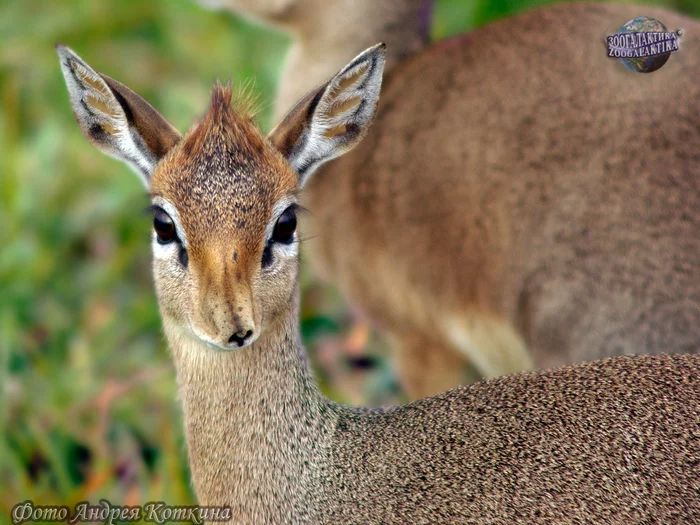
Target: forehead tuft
224 177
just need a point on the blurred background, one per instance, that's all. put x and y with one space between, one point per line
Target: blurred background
88 405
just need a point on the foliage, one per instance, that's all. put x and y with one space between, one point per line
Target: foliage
88 405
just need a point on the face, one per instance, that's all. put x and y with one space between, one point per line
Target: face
225 245
224 198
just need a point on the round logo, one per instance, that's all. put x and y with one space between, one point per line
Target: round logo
643 44
643 24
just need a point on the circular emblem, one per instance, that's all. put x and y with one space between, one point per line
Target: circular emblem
643 44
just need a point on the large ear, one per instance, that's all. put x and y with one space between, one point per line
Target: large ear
333 119
115 119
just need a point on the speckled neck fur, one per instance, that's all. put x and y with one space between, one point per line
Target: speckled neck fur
606 442
257 426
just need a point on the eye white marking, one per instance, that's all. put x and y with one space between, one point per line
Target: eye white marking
164 251
170 209
280 250
287 250
169 251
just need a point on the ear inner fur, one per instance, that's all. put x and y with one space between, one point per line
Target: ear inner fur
158 134
334 118
115 119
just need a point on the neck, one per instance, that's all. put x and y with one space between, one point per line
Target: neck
252 421
329 34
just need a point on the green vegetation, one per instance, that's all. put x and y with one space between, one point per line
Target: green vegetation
88 406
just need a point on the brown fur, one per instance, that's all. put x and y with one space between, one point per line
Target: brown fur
615 441
157 132
210 169
215 174
327 34
113 118
519 183
289 131
493 151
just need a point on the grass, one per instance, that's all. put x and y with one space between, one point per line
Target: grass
88 406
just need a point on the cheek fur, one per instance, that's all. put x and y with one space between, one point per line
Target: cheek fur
276 288
281 256
171 280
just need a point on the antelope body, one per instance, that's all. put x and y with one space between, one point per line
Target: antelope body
522 200
614 441
325 33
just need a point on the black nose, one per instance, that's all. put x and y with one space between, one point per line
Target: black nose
240 337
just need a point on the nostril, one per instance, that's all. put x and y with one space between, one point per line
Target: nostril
240 337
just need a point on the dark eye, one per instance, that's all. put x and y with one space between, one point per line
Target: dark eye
285 227
164 227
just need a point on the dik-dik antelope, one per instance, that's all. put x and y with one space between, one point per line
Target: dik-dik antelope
614 441
522 198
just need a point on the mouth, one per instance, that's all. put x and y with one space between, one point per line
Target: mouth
229 347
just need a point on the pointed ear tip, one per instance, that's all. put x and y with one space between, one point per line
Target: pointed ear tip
378 49
63 50
378 53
